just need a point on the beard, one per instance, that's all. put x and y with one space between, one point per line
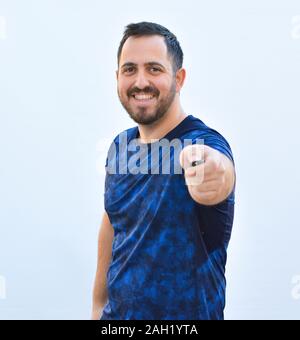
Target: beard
140 114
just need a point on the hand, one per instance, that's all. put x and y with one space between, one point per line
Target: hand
208 180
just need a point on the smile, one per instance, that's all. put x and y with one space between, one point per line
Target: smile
143 98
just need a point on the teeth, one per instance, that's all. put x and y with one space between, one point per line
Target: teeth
143 97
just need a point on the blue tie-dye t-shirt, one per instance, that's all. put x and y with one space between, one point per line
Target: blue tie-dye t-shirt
169 252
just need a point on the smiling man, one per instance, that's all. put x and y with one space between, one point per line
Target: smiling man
164 236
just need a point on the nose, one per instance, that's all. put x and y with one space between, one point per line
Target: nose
141 80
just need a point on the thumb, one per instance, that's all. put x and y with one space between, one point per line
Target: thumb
192 155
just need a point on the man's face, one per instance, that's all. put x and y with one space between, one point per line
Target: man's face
146 81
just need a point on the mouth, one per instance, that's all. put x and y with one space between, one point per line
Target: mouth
143 98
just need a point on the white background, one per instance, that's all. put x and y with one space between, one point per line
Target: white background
58 106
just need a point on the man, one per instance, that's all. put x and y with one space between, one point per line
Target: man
164 236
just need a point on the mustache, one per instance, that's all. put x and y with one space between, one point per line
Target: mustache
146 90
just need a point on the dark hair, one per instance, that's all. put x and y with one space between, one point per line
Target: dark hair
149 28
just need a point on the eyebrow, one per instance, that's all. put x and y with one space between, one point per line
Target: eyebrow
151 63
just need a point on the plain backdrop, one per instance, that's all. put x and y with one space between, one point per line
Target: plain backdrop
59 109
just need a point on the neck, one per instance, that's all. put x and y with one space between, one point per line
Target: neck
160 128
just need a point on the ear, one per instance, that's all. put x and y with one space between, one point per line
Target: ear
117 74
180 78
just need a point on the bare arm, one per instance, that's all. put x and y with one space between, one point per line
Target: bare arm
105 240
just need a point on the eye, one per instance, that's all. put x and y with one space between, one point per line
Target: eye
154 69
128 70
